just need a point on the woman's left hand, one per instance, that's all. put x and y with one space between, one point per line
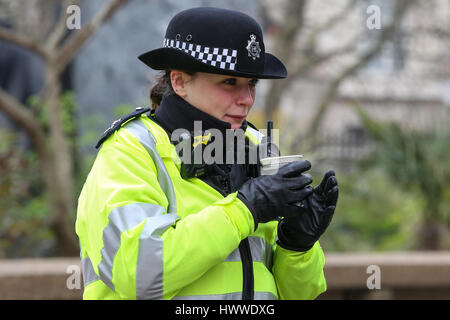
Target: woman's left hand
299 233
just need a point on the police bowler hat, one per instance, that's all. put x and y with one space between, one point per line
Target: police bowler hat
215 40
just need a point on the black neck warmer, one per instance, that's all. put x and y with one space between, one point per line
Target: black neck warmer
176 113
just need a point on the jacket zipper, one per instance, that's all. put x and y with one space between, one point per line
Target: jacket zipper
247 270
246 255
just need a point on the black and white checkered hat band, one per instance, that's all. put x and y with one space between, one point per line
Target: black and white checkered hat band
218 57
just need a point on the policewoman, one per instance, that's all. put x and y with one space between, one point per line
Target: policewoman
153 227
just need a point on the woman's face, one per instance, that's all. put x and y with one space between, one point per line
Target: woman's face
227 98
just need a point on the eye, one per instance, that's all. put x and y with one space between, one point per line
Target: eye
230 81
253 82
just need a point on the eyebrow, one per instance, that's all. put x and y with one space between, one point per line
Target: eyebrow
255 80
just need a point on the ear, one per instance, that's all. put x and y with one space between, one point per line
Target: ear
178 80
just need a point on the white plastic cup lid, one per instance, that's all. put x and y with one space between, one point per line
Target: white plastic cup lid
281 160
271 165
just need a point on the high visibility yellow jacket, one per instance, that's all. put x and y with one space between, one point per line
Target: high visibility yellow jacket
146 233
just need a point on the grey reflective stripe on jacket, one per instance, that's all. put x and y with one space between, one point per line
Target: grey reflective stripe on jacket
149 264
149 282
261 252
145 137
88 271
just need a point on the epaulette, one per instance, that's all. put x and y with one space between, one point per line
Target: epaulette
117 124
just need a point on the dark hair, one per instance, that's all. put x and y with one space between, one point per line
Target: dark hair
163 87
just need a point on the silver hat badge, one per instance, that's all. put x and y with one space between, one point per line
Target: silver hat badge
253 47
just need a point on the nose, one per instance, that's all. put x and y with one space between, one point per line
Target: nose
246 96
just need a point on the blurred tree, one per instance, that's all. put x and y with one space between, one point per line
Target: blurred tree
34 28
26 227
23 205
416 162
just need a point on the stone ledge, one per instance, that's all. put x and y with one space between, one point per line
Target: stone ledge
38 278
397 269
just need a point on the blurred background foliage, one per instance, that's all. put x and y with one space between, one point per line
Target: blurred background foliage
368 218
26 229
398 197
23 210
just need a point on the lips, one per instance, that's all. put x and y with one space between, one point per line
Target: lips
236 117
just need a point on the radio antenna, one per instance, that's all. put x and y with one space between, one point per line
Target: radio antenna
269 137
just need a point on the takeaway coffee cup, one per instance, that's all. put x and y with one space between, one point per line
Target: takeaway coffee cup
271 165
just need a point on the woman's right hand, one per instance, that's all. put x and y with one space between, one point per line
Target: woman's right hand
271 196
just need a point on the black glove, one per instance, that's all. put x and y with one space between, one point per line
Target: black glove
271 196
299 233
